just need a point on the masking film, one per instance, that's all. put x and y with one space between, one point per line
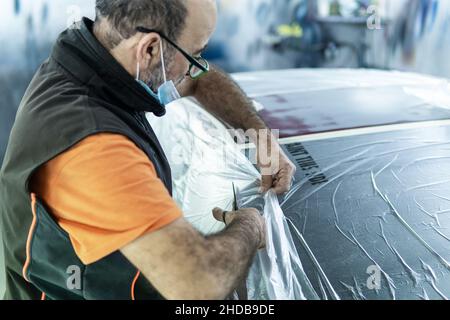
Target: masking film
372 213
206 163
368 216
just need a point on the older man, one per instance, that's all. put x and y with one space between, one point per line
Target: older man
102 223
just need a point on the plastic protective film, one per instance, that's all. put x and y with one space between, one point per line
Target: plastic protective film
370 213
206 162
368 216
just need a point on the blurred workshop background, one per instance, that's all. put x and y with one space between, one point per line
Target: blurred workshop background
410 35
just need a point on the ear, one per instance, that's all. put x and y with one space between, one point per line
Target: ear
148 50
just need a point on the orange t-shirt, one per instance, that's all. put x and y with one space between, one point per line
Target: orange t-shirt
105 193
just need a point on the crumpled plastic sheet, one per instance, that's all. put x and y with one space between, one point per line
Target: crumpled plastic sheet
372 202
375 202
205 163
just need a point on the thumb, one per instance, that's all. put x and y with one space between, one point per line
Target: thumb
266 183
218 214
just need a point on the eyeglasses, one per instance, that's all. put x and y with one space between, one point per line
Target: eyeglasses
198 65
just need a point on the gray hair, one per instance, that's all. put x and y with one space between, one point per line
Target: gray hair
123 16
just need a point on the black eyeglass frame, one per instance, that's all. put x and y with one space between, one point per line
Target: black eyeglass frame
193 61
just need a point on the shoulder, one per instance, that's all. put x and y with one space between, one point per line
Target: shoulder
99 157
107 149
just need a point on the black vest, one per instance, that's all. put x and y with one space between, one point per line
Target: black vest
81 90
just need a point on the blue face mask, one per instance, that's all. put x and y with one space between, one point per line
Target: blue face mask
167 92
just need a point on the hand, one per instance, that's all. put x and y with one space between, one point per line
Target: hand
249 214
282 177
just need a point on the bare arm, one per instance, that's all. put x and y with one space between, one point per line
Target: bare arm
221 96
184 265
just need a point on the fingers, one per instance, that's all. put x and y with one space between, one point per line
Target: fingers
248 213
218 214
266 183
224 216
283 180
283 184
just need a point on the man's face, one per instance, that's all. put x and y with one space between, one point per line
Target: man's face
200 25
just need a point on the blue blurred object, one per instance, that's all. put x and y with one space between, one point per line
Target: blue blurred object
28 29
17 7
44 13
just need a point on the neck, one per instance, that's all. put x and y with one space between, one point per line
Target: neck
119 51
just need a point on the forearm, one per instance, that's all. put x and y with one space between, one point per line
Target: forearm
184 265
232 252
220 95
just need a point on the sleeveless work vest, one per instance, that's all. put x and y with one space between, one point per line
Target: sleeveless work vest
81 90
